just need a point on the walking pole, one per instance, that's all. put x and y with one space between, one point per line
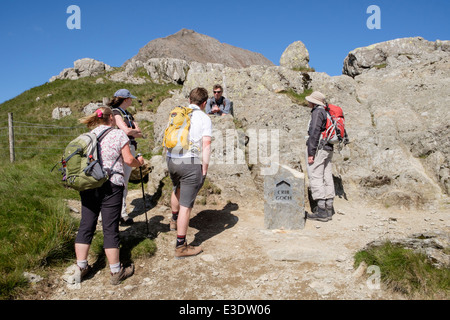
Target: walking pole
143 198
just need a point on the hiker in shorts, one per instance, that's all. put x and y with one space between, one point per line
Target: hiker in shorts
115 154
188 169
124 120
218 105
319 154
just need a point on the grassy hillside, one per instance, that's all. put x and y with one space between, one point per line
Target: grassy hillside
78 93
36 229
35 106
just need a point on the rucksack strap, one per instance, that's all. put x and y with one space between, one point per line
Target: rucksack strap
115 172
101 136
128 116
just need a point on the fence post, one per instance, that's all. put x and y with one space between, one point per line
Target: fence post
12 156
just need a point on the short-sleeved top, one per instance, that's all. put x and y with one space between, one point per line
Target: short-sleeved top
128 119
201 126
111 149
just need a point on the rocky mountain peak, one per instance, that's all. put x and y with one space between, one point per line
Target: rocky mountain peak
191 46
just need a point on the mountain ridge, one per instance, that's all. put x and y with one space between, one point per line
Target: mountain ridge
186 44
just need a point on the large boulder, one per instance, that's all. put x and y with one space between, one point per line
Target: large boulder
228 168
263 113
89 67
167 70
296 56
61 112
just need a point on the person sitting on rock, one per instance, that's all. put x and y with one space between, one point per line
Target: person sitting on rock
218 105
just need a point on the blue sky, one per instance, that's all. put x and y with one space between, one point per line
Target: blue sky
36 43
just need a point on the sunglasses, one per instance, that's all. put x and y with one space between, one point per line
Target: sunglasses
217 91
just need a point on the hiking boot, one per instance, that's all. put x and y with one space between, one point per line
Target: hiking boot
320 215
81 273
173 225
118 277
185 251
329 208
330 211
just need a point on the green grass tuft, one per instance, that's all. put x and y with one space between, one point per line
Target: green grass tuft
408 272
297 98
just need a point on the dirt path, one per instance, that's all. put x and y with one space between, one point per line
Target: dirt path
244 261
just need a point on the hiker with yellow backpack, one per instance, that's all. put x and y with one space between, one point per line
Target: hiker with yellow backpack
187 139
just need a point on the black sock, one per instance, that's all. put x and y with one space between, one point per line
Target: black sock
181 240
174 216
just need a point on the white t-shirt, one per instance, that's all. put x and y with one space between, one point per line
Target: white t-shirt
201 126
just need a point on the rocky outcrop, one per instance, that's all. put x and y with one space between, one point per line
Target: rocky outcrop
167 70
260 107
407 101
168 60
390 54
399 148
191 46
394 114
83 68
61 112
296 56
395 96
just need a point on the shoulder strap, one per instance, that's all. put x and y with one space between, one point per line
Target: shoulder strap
123 112
100 137
115 162
103 134
127 115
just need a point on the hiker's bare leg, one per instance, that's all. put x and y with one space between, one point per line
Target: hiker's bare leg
183 220
175 201
112 255
82 251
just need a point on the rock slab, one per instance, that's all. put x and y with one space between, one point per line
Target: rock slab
284 196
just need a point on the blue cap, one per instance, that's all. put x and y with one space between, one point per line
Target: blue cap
124 93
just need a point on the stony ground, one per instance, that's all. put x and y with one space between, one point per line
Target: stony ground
244 261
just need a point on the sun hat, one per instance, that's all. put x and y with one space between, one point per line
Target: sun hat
124 93
317 98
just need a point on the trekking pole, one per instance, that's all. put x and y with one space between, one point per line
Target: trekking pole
143 197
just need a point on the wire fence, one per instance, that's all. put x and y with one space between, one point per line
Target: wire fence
21 140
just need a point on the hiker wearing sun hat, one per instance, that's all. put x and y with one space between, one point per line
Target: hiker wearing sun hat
319 154
124 120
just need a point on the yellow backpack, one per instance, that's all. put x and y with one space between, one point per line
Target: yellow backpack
177 131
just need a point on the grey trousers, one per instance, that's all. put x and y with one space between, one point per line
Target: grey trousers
320 175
